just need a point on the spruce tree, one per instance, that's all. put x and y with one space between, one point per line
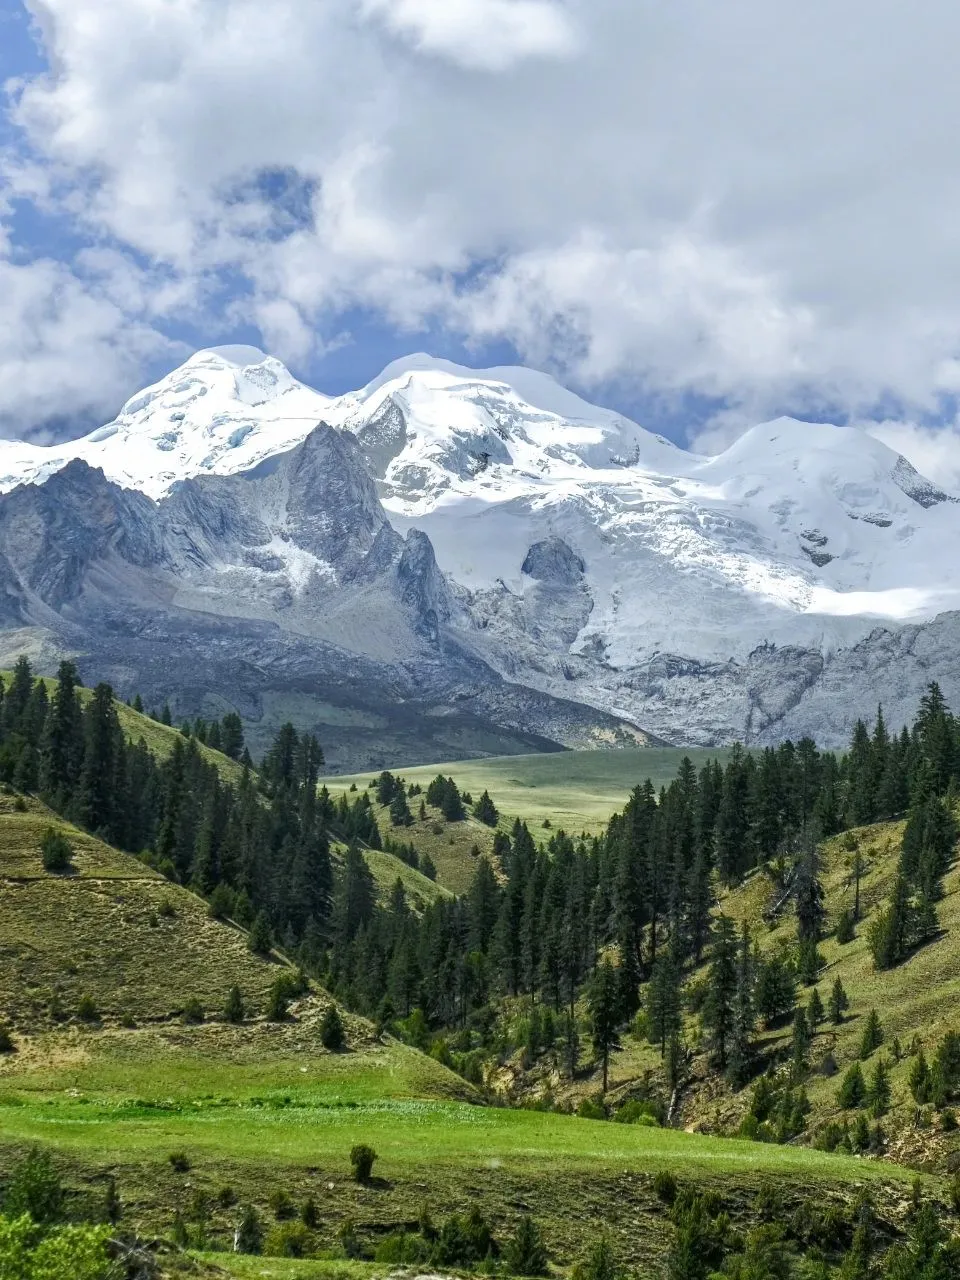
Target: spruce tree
718 1009
815 1010
234 1009
872 1037
839 1003
604 1003
260 940
853 1088
878 1090
663 1002
485 810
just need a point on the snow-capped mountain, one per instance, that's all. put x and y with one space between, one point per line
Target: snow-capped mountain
559 546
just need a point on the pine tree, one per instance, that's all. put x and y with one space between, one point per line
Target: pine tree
872 1037
744 1016
839 1003
485 810
853 1088
815 1010
663 1002
260 940
878 1090
718 1009
604 1002
231 736
525 1253
400 815
918 1078
60 753
331 1029
234 1010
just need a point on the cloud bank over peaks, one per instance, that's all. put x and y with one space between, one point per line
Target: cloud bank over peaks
755 205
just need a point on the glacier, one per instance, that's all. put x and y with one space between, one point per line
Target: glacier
577 555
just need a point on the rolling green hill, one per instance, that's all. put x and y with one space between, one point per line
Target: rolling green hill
576 790
263 1109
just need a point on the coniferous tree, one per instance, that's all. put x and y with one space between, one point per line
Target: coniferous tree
718 1009
485 810
605 1014
872 1037
839 1002
663 1002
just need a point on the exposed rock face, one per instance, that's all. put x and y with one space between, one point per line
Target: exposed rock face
451 561
281 592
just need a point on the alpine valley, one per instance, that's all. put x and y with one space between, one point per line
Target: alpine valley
452 563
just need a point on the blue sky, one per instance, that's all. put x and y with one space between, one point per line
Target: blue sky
701 215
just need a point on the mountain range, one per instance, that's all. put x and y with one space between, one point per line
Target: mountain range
457 562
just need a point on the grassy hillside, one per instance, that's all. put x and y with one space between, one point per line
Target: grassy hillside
262 1108
576 790
111 929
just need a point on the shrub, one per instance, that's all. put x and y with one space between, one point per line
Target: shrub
288 1240
526 1254
179 1161
221 903
249 1234
591 1109
845 927
193 1012
309 1214
362 1159
599 1264
6 1040
281 1204
278 1001
463 1241
331 1029
665 1186
260 941
55 850
128 1021
233 1010
402 1250
349 1240
34 1188
87 1010
167 910
79 1252
226 1197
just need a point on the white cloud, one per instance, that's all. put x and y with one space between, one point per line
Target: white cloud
757 202
490 35
935 452
66 346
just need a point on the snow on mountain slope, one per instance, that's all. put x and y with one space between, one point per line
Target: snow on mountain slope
223 411
579 546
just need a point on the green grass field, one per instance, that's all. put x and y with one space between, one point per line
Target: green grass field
576 790
288 1122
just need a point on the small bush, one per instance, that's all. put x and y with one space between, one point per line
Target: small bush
19 805
55 850
402 1250
179 1161
526 1254
34 1188
221 903
249 1236
6 1040
128 1021
226 1197
288 1240
193 1012
167 910
281 1204
309 1214
362 1159
665 1186
233 1010
87 1009
331 1030
348 1239
591 1109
